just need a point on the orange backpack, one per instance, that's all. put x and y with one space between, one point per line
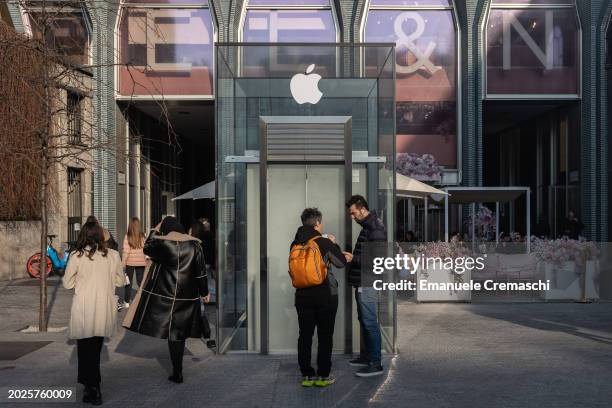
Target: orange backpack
306 265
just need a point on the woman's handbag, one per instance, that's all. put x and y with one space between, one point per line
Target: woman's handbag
206 332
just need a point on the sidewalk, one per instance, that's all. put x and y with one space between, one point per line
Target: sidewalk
510 355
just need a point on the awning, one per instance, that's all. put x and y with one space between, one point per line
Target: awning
407 186
467 195
205 191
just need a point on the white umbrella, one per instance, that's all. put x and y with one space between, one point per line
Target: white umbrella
405 185
205 191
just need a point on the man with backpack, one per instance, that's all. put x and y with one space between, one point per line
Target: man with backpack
316 294
372 230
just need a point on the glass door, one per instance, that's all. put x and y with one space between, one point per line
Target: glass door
290 189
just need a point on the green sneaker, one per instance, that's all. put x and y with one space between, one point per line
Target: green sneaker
308 381
325 381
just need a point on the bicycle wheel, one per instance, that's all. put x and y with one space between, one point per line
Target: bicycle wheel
33 265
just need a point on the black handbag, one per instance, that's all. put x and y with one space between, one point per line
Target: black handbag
206 332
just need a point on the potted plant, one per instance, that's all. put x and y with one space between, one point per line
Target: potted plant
420 167
571 266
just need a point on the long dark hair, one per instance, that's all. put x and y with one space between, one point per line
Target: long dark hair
92 236
197 230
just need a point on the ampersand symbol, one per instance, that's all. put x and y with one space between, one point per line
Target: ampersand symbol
407 42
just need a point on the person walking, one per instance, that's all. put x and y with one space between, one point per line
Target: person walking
372 230
169 305
316 304
133 257
93 271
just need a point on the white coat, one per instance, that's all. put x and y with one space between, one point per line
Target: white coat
94 304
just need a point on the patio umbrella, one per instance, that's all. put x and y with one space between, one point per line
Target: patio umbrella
205 191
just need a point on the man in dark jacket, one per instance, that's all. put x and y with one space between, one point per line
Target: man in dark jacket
317 305
373 230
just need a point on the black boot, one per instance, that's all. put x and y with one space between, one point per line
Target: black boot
176 377
177 348
94 396
87 392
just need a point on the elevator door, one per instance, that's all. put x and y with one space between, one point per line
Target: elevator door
291 188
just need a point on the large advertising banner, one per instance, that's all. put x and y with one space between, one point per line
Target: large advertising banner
166 51
426 72
532 51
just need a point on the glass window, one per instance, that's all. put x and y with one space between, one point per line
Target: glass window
426 71
176 2
411 3
166 51
66 32
289 3
289 26
285 22
532 51
531 2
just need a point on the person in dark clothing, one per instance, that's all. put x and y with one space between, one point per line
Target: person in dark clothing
317 305
109 240
572 227
373 230
169 307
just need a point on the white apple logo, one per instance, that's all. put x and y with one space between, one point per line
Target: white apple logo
305 87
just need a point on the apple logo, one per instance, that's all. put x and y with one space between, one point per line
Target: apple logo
305 87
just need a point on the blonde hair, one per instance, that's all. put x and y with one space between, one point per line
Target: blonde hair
135 236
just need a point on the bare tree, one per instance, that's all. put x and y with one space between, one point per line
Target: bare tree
39 133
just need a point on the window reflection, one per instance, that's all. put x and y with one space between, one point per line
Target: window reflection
426 72
64 31
166 51
288 25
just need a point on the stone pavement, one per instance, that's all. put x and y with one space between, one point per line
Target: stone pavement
450 355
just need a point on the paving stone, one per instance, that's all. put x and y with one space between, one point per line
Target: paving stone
451 355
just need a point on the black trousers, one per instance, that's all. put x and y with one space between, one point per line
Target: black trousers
177 349
88 351
316 312
130 271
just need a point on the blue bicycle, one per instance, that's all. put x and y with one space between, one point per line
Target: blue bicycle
55 261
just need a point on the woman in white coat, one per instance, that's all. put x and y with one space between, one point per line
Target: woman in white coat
93 271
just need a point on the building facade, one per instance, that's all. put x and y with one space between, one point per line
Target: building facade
488 93
70 138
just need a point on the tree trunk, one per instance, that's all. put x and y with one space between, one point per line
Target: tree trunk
42 318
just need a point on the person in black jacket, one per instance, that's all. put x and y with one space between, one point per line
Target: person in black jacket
169 306
373 230
317 305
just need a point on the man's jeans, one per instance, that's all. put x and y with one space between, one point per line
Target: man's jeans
367 313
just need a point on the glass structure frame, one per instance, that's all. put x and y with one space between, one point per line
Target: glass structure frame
361 89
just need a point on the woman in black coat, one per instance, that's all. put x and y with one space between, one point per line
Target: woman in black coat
169 305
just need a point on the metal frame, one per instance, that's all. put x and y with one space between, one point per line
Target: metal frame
117 51
483 32
263 215
525 190
458 65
